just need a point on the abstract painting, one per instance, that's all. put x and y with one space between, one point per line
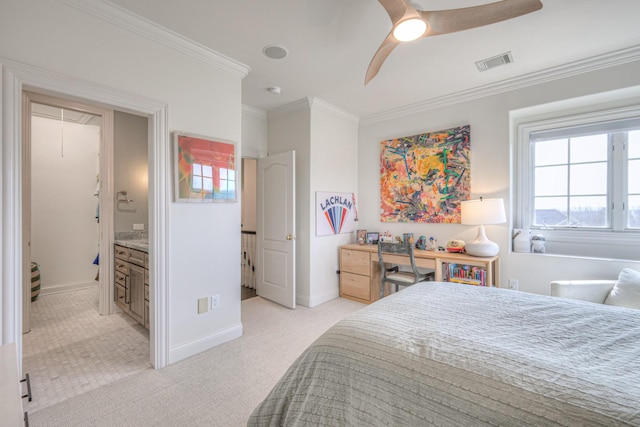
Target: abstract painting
205 169
423 178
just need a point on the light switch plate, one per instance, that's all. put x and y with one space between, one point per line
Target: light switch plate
138 227
203 305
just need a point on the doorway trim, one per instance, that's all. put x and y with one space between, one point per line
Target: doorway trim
16 78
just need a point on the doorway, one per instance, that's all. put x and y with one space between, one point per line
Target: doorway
248 229
19 77
41 109
76 343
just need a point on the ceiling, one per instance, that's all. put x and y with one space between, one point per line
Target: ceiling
331 42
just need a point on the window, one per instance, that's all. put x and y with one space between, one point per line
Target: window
579 181
633 179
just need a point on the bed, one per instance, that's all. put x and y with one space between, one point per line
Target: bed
446 354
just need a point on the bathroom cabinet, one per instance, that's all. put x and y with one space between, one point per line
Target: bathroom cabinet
131 283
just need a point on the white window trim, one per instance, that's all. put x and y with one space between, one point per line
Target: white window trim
523 126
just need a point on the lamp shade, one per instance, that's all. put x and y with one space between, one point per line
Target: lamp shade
480 212
483 211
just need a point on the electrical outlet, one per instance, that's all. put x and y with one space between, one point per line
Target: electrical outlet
215 301
138 227
513 284
203 305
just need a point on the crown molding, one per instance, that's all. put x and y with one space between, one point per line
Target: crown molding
301 104
321 105
119 16
310 103
607 60
253 111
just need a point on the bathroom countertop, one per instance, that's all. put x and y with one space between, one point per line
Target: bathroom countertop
139 244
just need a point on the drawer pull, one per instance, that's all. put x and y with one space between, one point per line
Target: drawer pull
28 381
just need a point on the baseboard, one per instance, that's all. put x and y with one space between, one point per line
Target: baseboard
316 300
303 300
198 346
68 287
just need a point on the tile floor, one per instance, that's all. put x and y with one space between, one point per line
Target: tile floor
71 349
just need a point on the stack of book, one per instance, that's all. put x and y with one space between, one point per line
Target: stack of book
467 274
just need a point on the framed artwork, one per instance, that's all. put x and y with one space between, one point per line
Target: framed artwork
423 178
205 169
335 213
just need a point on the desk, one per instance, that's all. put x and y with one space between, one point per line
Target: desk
360 272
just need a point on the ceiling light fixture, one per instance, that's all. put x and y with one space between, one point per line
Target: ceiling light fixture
274 90
409 29
275 52
409 22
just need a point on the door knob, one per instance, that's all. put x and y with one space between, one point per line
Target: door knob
291 236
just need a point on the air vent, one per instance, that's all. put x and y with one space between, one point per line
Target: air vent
495 61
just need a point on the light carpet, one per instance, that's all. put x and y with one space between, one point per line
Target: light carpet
219 387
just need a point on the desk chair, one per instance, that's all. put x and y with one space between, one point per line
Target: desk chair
393 275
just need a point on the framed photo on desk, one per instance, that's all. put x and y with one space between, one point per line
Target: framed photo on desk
373 238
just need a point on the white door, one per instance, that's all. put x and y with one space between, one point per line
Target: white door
276 245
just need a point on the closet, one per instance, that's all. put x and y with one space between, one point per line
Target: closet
65 147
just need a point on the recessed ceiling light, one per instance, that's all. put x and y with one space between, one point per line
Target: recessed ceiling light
275 52
275 90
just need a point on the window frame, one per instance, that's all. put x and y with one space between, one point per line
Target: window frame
570 241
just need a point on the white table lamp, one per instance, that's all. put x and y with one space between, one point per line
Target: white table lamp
481 212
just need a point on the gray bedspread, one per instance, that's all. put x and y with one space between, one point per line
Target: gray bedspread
456 355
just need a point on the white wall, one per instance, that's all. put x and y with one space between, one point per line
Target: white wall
130 170
333 167
254 146
491 170
254 132
64 231
203 96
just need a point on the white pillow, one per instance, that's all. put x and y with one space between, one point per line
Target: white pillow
626 291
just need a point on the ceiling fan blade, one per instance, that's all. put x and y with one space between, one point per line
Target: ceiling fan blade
453 20
381 54
396 9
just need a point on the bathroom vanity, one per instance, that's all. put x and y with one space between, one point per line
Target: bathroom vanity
131 278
